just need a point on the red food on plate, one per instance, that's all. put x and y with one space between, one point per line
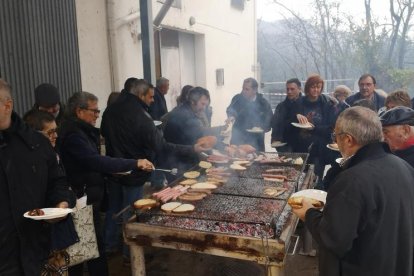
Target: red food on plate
36 212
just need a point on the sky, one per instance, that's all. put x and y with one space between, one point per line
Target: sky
268 11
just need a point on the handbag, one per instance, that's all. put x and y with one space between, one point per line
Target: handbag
87 247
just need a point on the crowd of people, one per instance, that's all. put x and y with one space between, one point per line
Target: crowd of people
370 191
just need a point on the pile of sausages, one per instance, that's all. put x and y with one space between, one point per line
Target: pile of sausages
170 193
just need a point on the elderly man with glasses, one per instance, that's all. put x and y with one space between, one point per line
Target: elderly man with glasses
367 224
79 146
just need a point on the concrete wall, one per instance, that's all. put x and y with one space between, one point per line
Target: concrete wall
93 48
224 38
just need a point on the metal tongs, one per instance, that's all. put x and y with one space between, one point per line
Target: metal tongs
173 171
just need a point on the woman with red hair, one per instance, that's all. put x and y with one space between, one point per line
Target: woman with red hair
318 110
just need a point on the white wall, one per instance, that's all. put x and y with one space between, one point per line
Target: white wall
224 38
93 48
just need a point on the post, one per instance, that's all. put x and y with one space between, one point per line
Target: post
147 36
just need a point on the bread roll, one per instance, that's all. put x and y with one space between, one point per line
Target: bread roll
203 185
168 207
296 202
237 167
145 203
205 165
192 174
188 182
184 208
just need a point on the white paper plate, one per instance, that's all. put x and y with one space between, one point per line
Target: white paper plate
305 126
157 123
278 144
50 213
254 130
312 193
338 160
329 146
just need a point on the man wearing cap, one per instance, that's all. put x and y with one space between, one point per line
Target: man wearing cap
47 99
398 130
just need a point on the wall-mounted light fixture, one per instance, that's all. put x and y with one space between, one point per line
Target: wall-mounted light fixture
192 21
220 76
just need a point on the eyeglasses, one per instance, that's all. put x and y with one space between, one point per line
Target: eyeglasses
95 111
50 132
334 135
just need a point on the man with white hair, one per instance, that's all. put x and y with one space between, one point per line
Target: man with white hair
398 130
367 224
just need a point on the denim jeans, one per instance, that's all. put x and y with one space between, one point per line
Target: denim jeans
130 195
112 229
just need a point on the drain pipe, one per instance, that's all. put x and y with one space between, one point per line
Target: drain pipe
113 24
163 11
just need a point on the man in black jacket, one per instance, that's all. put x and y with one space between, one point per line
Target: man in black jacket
398 130
281 127
250 110
29 179
130 132
185 127
79 146
158 107
367 225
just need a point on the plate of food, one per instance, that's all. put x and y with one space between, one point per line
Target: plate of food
304 126
317 197
255 130
333 146
277 144
47 213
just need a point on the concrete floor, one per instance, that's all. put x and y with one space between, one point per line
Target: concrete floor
167 262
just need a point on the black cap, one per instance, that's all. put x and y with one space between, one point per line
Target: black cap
399 115
46 95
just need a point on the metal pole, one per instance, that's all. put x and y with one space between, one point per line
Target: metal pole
147 36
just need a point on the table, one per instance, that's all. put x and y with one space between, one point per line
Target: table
269 252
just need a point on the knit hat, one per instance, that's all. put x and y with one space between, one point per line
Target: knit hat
399 115
46 95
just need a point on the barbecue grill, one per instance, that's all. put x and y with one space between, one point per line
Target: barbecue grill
237 221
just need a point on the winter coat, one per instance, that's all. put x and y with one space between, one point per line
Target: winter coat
378 100
79 147
367 225
281 127
130 132
320 135
159 107
249 114
29 179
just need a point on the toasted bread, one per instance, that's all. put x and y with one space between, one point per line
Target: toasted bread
184 208
188 182
296 202
205 165
204 185
168 207
192 174
145 203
